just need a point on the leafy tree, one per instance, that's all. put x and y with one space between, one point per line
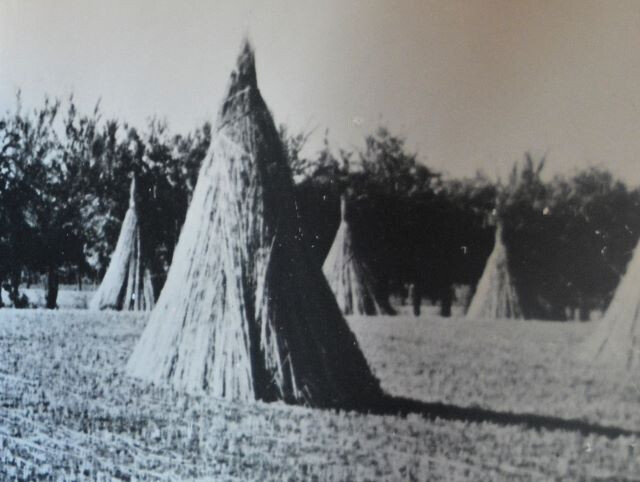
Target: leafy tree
64 179
167 177
61 195
29 145
64 190
318 199
523 206
469 225
166 169
568 239
301 166
387 189
598 224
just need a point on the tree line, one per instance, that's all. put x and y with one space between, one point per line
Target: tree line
64 183
64 179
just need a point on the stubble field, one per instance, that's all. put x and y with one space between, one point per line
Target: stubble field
68 412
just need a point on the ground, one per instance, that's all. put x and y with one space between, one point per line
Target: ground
68 412
68 297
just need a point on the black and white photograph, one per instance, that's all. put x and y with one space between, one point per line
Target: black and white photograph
332 240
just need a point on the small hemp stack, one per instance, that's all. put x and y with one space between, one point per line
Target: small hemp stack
348 276
126 284
615 343
495 296
245 314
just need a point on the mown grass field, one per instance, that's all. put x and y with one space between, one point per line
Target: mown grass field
69 297
67 411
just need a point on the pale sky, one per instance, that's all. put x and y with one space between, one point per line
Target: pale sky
470 84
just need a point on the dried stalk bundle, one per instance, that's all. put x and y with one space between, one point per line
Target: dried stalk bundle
495 296
348 275
245 314
615 342
126 284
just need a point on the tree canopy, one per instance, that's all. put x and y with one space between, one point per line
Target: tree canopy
64 179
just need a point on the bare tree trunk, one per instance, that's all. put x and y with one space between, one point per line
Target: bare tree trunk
416 298
583 312
383 295
52 287
446 302
14 292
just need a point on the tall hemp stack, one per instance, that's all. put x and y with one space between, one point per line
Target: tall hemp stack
615 342
126 284
348 275
496 296
245 314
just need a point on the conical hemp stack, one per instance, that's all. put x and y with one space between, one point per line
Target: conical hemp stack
495 296
347 274
126 284
244 313
615 342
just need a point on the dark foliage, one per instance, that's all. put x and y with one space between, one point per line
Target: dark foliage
65 191
64 180
569 239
